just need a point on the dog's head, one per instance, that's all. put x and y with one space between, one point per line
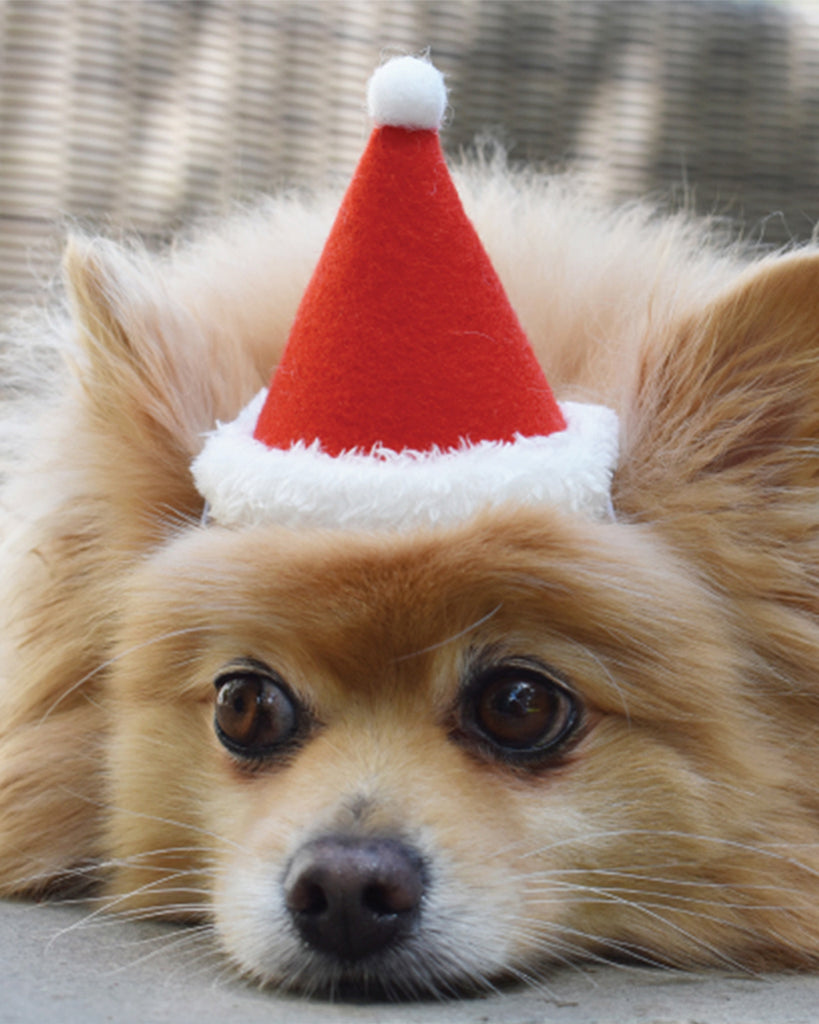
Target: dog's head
419 762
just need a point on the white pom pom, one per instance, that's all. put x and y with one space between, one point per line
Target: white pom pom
407 92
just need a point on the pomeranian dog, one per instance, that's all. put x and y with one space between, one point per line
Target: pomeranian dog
422 761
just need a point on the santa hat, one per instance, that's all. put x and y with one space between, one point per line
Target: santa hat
408 393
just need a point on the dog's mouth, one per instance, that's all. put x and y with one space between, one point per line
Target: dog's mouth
380 978
407 971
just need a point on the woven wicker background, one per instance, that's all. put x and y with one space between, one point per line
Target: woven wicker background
138 115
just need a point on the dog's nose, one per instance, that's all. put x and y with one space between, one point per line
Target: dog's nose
351 897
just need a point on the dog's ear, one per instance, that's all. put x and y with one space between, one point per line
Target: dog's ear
732 400
143 366
135 370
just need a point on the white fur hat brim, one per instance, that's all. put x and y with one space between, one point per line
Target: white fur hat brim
245 483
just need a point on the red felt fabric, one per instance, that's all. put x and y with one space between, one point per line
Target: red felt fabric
405 336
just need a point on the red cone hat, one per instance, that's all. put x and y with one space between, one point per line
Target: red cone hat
408 392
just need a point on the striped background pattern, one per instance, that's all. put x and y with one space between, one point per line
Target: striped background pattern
138 115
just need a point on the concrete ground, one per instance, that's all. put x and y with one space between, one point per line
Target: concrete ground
57 964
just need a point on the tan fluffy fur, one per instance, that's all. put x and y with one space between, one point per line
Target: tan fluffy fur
684 827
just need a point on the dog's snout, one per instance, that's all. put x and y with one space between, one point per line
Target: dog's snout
352 897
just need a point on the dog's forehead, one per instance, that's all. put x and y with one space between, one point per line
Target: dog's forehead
422 585
351 610
359 609
358 594
382 590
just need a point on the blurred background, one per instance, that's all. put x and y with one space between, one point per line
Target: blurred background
138 115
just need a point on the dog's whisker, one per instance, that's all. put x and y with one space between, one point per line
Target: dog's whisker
471 628
719 841
110 662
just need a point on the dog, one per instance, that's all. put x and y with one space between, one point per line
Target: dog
422 762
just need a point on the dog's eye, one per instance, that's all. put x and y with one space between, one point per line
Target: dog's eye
523 709
254 712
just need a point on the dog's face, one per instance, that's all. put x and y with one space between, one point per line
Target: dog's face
419 762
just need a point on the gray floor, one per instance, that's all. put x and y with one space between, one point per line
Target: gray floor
58 964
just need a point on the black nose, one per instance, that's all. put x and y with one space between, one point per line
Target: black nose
352 897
